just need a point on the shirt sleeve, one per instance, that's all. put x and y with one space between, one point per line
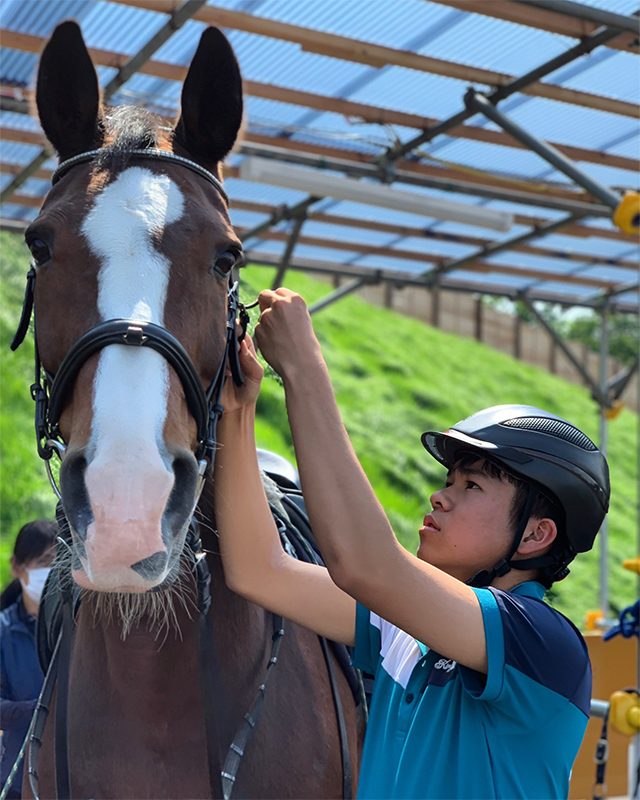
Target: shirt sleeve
533 652
366 653
16 713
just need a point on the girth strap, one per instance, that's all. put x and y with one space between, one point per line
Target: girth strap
250 720
63 769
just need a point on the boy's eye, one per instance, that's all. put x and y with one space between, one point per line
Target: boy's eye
472 484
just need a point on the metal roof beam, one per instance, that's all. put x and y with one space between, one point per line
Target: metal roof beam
406 231
618 22
450 283
176 20
329 158
479 102
361 52
416 257
540 19
541 189
522 84
336 105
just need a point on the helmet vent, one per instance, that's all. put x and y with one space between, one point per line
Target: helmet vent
554 427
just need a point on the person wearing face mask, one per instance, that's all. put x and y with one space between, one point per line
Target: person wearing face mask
21 676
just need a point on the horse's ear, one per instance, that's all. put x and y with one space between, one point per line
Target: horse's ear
211 111
67 93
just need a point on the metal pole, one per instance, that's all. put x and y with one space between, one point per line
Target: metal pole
286 258
479 102
24 174
598 393
604 554
356 283
286 212
505 244
619 22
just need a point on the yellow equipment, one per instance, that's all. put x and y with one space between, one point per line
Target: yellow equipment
624 712
627 214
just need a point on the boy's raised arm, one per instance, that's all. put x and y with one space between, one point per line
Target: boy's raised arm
357 542
255 564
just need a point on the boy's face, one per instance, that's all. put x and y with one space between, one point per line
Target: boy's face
469 528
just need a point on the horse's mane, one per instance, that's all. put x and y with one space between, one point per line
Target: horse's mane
130 128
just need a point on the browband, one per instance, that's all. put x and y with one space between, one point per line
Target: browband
157 155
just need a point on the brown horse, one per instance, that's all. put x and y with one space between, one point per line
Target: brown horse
123 236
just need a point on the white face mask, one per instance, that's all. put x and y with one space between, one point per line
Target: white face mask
37 577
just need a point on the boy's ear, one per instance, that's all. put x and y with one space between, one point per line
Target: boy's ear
211 105
539 534
67 93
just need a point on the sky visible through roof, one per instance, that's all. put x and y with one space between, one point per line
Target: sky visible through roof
430 29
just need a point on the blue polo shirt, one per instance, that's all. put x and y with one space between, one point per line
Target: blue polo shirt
439 730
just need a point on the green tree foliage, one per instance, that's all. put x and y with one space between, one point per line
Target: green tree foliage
586 328
623 330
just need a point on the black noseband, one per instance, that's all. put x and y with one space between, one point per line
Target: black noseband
134 334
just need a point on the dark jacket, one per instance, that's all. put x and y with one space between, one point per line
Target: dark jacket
21 681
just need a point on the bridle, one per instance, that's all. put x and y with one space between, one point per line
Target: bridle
204 405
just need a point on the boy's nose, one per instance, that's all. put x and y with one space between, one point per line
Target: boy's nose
440 499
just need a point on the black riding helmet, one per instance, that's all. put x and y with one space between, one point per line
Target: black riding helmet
545 451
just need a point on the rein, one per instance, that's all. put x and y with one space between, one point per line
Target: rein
49 393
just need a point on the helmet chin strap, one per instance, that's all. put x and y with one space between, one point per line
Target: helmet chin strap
485 577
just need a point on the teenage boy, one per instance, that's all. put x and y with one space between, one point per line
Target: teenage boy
482 690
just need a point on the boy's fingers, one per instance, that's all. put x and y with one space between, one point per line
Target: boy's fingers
250 364
266 298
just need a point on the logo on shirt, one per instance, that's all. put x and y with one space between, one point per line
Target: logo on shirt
447 664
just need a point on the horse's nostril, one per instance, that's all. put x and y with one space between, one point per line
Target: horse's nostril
151 567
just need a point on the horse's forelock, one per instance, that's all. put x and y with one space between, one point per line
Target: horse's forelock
130 128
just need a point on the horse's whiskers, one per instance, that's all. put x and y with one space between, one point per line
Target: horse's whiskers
158 609
129 608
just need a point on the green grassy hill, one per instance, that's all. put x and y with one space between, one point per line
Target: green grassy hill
394 378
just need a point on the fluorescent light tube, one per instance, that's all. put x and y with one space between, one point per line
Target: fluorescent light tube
275 173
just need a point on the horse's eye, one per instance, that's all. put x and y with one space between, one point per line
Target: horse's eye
226 261
39 250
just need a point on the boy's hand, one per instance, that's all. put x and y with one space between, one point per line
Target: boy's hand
285 333
237 397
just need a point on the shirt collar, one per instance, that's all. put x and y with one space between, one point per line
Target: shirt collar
529 589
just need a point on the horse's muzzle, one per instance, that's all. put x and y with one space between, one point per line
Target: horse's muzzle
128 516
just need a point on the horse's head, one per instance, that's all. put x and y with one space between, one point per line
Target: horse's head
126 237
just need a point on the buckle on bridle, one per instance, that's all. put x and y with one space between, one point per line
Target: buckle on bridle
135 336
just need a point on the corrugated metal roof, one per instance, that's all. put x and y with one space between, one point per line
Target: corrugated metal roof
416 26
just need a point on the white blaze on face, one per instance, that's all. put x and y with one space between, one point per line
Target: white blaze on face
129 475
